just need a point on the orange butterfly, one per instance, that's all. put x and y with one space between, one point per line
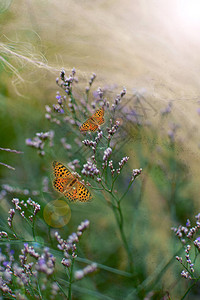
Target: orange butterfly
68 184
94 121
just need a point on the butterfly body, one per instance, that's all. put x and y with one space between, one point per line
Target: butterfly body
69 185
94 121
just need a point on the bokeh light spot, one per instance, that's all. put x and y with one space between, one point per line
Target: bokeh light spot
57 213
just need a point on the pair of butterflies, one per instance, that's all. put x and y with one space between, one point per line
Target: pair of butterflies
64 181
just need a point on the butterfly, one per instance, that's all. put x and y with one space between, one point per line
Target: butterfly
94 121
69 185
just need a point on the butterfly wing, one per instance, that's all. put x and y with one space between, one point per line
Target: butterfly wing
60 184
71 192
61 171
94 121
84 194
78 192
89 125
98 116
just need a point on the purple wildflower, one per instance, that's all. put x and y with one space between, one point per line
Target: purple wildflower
10 218
113 129
107 153
90 169
122 163
136 173
69 246
166 110
87 270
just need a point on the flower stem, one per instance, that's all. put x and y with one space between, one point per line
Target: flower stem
188 290
70 280
120 222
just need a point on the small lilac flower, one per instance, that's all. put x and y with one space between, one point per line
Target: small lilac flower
99 136
188 224
87 270
35 205
66 262
110 164
79 275
10 218
121 164
48 109
48 116
136 173
113 130
73 71
58 96
179 259
107 153
16 203
100 93
5 263
41 261
92 78
65 145
166 110
185 275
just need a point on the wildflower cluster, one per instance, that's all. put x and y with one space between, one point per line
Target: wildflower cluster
122 163
66 82
90 169
24 272
79 274
94 144
118 99
38 142
106 155
113 129
188 235
69 248
27 268
49 113
20 205
87 89
136 173
27 210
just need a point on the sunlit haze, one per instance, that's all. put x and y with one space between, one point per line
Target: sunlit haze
189 12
